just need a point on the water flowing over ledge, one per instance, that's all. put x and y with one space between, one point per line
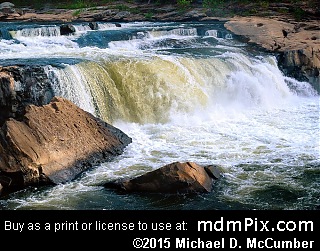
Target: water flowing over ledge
288 29
182 91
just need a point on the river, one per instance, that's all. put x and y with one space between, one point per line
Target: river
183 92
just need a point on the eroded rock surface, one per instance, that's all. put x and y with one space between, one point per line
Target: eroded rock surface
177 177
297 44
53 144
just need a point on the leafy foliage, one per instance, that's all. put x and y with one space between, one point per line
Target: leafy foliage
217 7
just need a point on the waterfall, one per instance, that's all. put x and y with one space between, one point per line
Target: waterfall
183 92
46 31
152 90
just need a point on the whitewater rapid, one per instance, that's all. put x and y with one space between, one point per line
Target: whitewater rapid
183 92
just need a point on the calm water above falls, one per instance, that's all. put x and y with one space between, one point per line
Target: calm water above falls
183 92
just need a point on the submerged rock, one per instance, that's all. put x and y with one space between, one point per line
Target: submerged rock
177 177
53 144
67 29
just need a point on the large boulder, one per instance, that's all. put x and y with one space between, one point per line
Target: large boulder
177 177
53 144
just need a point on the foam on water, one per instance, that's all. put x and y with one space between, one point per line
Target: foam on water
220 105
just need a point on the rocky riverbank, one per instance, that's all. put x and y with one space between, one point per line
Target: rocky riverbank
31 153
295 40
297 44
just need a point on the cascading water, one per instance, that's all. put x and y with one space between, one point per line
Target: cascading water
183 92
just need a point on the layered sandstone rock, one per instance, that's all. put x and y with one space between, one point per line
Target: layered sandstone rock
53 144
177 177
296 43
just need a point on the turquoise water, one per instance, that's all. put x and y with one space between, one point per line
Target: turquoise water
183 92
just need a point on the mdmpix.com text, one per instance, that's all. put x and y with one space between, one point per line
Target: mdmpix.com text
254 224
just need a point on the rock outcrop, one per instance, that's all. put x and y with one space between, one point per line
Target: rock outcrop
177 177
20 86
43 142
53 144
296 44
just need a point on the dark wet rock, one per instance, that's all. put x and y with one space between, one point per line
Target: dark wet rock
94 25
67 29
213 171
302 64
20 86
296 45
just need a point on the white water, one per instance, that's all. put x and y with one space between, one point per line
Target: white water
181 96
